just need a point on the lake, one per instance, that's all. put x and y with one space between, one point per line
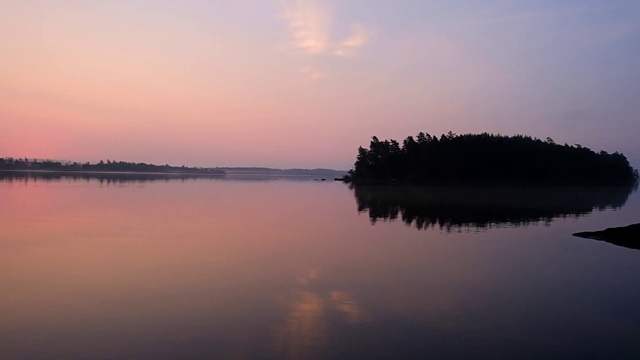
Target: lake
294 268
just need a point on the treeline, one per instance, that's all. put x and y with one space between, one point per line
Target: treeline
105 178
488 159
26 164
282 172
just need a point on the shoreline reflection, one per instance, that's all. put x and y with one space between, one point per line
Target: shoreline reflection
449 208
102 177
109 178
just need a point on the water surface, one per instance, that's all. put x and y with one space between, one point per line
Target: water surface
278 269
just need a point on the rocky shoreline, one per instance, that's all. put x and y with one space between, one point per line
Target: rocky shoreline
627 236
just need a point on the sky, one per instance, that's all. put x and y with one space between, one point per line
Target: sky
284 83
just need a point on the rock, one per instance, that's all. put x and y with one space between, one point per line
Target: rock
627 236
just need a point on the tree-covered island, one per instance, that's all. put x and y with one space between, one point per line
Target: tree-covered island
487 159
25 164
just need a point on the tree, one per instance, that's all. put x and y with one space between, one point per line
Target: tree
489 159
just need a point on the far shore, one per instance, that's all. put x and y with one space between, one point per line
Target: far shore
108 172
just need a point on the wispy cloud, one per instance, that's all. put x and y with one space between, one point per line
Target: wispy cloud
309 25
359 38
312 73
310 29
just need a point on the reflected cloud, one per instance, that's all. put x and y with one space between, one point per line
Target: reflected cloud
449 208
307 278
305 327
344 302
308 320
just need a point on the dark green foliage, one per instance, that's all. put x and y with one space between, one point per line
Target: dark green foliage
101 166
488 159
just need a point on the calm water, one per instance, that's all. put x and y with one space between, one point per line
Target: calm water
280 269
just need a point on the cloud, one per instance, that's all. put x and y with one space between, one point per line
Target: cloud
309 25
310 29
312 73
350 45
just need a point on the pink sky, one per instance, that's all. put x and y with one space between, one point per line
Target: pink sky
304 83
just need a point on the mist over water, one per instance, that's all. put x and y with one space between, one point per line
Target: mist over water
279 269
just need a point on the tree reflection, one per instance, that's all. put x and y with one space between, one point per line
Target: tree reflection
112 178
450 208
103 177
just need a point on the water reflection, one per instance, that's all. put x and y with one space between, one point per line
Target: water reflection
222 269
310 311
102 177
106 178
450 208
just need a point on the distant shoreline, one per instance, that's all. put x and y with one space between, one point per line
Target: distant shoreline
89 172
35 166
318 176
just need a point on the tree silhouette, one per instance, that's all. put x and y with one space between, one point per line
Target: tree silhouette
488 159
109 165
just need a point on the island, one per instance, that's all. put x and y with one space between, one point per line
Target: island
488 159
627 236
